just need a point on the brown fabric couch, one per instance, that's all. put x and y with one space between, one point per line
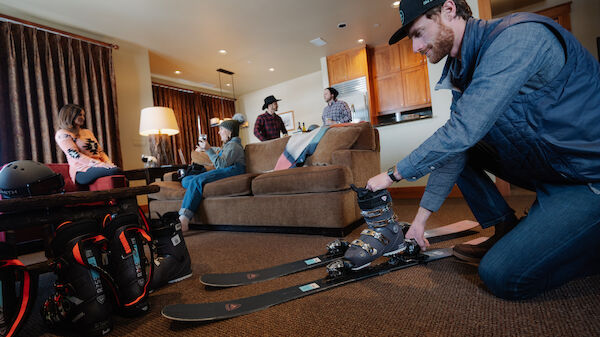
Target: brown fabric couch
313 199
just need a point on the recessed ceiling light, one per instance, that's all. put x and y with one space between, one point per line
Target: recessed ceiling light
271 69
360 40
396 4
177 72
223 51
228 84
342 25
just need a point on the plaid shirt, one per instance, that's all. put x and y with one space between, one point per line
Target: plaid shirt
338 112
268 126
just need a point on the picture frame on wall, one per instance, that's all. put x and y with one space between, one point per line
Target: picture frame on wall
288 120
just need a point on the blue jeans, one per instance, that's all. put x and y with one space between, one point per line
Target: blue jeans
556 242
194 185
93 173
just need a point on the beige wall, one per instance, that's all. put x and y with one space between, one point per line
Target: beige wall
134 92
585 19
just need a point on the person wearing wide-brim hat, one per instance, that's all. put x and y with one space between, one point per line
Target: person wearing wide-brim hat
269 125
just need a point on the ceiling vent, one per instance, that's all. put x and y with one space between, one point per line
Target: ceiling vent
319 42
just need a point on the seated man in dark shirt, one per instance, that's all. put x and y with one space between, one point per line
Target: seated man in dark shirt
269 125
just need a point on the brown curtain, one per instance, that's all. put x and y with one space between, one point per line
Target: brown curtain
188 106
39 73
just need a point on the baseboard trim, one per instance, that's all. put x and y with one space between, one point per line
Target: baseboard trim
416 192
336 232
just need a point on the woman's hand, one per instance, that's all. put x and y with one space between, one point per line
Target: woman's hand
203 145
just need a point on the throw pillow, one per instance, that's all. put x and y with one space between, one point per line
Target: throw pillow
336 138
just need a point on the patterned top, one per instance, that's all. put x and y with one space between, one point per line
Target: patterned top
338 112
269 126
82 151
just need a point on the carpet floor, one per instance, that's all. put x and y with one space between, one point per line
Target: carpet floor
443 298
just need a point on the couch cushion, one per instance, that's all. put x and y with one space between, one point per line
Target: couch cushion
311 179
367 139
336 138
230 187
262 157
169 190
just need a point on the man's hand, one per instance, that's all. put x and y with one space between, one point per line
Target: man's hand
417 228
379 182
417 232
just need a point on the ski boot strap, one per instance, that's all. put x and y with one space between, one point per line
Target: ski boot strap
383 222
376 212
365 246
377 235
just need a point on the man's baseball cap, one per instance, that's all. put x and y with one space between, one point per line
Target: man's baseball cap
410 10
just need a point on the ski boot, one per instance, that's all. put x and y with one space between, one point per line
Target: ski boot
173 262
80 301
127 262
14 306
384 235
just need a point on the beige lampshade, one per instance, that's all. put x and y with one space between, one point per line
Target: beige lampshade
158 120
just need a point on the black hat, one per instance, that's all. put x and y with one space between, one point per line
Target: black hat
410 10
269 100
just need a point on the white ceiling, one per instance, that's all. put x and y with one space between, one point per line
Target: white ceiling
186 35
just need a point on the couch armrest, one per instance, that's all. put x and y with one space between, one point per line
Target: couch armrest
364 164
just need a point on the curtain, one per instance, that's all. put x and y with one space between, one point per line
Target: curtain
39 73
188 106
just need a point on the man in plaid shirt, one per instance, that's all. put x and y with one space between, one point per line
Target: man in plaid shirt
335 111
269 125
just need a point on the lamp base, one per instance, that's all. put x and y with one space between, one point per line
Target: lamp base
160 148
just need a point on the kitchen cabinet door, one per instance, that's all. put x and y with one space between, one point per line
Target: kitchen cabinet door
337 68
408 58
385 60
356 63
390 96
415 83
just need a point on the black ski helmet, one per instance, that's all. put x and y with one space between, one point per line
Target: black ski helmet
25 178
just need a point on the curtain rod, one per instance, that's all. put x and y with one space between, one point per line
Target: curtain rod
4 17
191 91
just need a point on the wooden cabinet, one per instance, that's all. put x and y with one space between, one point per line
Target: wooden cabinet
400 78
415 84
388 92
347 65
408 58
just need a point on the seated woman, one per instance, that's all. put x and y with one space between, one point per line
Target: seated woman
87 161
229 161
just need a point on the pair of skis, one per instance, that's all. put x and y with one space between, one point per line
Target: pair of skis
223 310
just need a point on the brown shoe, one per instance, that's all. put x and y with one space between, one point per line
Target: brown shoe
474 253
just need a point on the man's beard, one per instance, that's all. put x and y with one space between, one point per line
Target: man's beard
442 45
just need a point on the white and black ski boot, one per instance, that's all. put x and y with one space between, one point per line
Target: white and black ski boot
81 301
128 262
173 262
384 234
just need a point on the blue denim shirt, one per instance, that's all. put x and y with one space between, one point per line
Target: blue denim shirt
522 59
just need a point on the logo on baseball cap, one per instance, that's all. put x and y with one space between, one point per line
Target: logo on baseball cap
410 10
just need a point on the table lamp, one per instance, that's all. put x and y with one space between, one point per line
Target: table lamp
159 124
